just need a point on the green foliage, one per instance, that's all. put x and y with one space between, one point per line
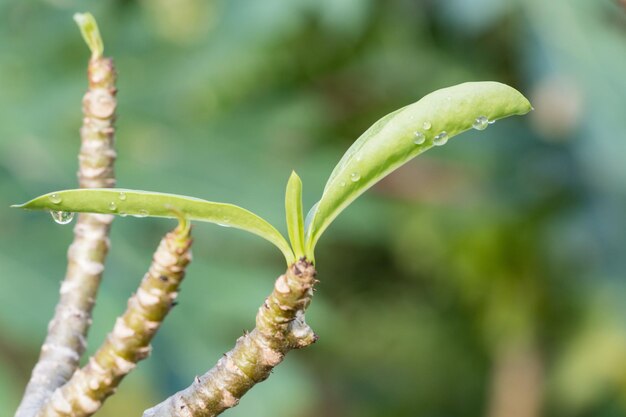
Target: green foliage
142 204
388 144
402 135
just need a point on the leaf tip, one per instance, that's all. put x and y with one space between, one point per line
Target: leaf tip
523 104
294 176
26 205
527 107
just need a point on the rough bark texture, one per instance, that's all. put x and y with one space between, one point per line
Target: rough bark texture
65 342
97 154
280 327
129 341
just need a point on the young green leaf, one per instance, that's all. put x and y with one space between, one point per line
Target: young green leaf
89 29
293 210
142 204
404 134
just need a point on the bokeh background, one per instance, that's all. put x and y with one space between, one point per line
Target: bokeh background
484 278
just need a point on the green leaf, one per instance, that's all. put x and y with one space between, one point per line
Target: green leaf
143 204
394 140
89 29
293 210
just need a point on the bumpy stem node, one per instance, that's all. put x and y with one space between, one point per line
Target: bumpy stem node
129 341
280 327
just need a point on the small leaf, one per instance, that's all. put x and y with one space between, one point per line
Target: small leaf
293 210
89 29
402 135
144 204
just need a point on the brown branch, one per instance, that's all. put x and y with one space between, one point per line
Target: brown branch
129 341
65 342
280 327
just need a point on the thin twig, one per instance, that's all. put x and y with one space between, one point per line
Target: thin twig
65 342
280 327
129 341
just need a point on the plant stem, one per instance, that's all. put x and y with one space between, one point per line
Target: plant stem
65 342
129 341
280 327
517 382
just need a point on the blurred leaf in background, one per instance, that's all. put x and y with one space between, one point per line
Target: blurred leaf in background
490 266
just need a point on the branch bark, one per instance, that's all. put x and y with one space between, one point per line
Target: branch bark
129 341
517 382
65 342
280 327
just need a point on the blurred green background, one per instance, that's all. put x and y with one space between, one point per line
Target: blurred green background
484 278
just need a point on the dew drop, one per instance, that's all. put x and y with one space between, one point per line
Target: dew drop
112 206
55 198
141 213
122 196
123 214
62 217
354 177
481 123
224 222
426 125
343 183
418 138
440 139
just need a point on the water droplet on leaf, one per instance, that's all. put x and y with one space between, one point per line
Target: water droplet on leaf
355 176
122 196
55 198
441 139
112 206
481 123
343 183
141 213
62 217
426 125
419 138
224 222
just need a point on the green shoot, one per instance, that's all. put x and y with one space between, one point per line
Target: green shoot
89 29
293 210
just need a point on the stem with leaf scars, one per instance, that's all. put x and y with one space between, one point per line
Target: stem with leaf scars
280 327
65 342
129 341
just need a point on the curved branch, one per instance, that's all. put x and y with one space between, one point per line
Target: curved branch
129 342
280 327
